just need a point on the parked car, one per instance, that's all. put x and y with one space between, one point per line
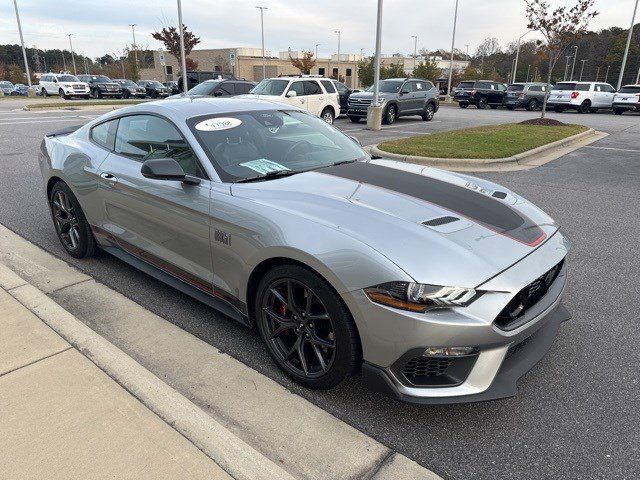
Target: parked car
400 97
195 77
525 95
310 93
440 287
172 87
627 99
102 86
64 85
131 89
481 93
344 93
20 89
6 87
220 88
581 96
154 88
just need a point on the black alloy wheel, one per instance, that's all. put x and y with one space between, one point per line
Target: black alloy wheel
306 328
390 115
532 105
71 225
482 103
584 107
429 112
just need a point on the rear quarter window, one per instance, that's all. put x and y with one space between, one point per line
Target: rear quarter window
104 134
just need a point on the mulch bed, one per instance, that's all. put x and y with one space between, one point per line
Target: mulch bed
543 121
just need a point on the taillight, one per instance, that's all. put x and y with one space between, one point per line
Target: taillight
521 95
473 92
575 94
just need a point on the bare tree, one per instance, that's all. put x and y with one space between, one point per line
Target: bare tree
488 47
558 28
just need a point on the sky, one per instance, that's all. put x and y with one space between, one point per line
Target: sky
99 27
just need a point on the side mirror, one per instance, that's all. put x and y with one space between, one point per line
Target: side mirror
356 91
292 93
217 93
166 169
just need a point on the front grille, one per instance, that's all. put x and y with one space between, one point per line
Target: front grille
359 101
425 366
526 298
415 369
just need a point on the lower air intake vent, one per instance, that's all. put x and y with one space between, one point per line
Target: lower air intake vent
437 222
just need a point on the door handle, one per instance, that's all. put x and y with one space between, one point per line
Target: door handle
110 178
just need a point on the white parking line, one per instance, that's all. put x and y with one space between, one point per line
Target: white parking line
41 118
613 148
75 119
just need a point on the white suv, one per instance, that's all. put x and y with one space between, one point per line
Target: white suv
627 98
63 84
581 96
317 95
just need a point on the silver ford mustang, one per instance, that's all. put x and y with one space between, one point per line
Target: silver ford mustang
439 287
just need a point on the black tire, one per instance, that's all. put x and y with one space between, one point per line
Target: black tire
558 109
98 93
584 107
429 112
482 103
340 360
390 114
355 119
532 105
618 111
44 92
118 97
463 104
63 95
126 94
153 94
511 107
71 225
327 115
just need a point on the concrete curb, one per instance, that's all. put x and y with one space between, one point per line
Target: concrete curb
232 454
520 159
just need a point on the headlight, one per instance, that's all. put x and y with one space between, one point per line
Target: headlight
419 297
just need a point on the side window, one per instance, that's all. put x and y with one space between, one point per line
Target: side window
342 88
227 88
104 134
243 88
535 88
328 86
482 86
418 86
297 87
608 88
312 88
428 85
500 87
141 137
406 87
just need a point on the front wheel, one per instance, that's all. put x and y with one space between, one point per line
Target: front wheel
307 329
618 111
71 225
389 116
532 105
482 103
327 115
429 112
63 95
463 104
45 93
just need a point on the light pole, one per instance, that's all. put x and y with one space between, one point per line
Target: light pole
626 50
467 49
133 32
73 58
453 41
264 66
581 69
317 45
597 73
415 49
124 75
24 51
183 57
575 55
528 71
606 75
515 67
566 67
374 114
338 32
84 58
64 62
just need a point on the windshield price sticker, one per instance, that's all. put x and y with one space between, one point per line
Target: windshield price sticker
217 124
263 166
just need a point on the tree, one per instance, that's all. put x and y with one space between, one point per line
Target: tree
170 37
395 70
427 70
558 28
366 71
304 64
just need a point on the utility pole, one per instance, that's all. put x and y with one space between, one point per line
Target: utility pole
606 75
338 32
575 55
73 58
528 70
453 42
183 57
626 50
64 62
415 49
597 73
581 69
86 69
566 68
135 48
264 67
317 45
122 65
24 51
374 113
535 74
638 77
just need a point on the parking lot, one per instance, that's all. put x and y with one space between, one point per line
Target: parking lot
572 408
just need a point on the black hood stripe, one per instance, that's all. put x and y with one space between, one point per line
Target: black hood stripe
490 212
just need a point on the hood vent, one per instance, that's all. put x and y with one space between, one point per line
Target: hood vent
439 221
500 195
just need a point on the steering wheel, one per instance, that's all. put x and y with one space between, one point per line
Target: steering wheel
295 149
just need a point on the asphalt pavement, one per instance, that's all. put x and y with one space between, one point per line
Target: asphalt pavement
577 412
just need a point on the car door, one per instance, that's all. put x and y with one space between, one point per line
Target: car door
316 98
419 95
165 223
608 94
52 86
299 100
405 98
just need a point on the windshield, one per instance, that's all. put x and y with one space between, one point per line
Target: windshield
630 90
515 88
128 83
270 87
156 84
204 88
6 84
251 144
101 79
388 86
466 85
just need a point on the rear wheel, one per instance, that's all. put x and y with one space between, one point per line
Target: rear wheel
482 103
584 107
463 104
618 111
308 331
390 114
429 112
71 225
532 105
327 115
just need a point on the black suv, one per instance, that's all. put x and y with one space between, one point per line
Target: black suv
101 86
481 93
131 89
221 88
344 93
154 88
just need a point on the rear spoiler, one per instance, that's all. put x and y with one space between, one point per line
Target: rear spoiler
64 131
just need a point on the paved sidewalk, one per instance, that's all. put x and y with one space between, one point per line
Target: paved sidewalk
63 418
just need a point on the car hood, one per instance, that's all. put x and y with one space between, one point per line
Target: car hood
369 95
474 230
